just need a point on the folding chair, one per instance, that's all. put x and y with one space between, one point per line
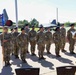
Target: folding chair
66 70
27 71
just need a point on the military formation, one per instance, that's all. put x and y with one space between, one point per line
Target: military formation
17 44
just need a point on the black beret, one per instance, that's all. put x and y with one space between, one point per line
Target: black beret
57 28
72 24
11 29
41 26
15 28
22 29
26 24
62 24
33 26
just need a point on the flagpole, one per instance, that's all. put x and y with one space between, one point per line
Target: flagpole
16 9
57 15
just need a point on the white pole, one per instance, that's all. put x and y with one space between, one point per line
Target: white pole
16 9
57 15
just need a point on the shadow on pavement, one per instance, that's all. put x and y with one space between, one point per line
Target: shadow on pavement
51 56
64 60
69 54
19 63
7 71
33 58
45 63
15 61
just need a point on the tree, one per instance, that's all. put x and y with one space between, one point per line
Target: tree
25 22
67 24
34 22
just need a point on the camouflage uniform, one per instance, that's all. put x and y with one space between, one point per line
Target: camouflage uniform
27 31
22 42
16 48
6 46
12 44
63 38
32 39
41 43
57 41
48 41
71 40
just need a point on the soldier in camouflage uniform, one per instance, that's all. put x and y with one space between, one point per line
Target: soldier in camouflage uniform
48 36
22 41
71 39
63 36
32 39
57 41
27 31
12 45
5 43
16 48
41 42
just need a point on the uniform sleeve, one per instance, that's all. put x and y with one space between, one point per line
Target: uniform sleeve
53 37
68 35
37 37
10 37
18 40
1 38
29 36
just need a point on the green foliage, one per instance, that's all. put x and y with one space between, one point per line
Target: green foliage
34 22
22 23
67 24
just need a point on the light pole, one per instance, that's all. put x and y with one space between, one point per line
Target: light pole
16 10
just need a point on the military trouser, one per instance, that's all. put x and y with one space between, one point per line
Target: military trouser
71 45
23 53
12 48
16 49
6 53
41 48
33 44
27 47
63 44
48 44
57 48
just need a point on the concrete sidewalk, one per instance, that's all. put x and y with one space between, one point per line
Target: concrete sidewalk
47 67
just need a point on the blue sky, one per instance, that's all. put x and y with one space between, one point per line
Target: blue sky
43 10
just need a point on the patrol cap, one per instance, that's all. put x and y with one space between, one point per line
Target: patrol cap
73 24
41 26
22 29
15 28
